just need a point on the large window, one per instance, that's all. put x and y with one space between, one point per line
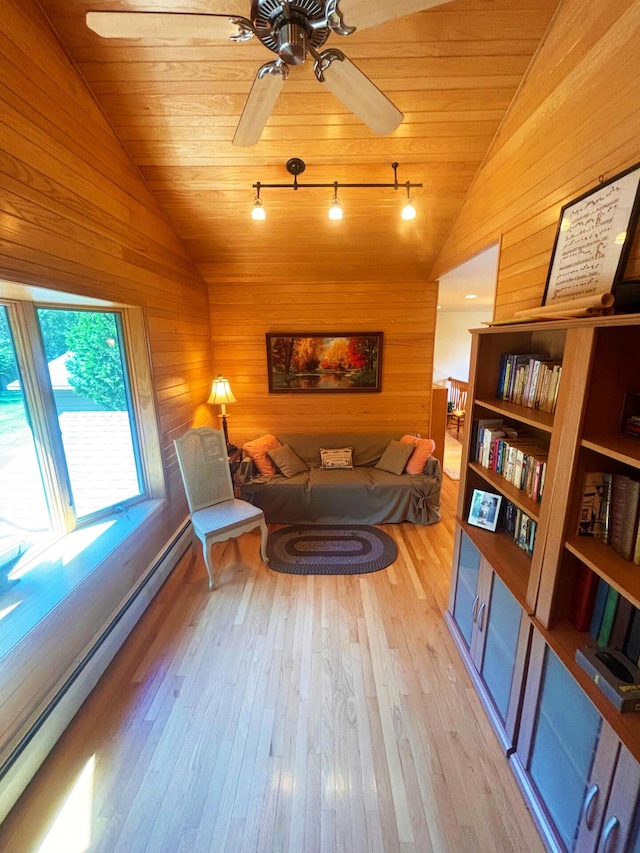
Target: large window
71 436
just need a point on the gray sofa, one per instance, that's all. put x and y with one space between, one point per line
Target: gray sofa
362 495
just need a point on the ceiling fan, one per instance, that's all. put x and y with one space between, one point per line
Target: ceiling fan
293 29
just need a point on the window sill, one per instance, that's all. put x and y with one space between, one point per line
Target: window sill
44 582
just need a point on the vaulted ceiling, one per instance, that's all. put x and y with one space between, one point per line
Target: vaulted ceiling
452 71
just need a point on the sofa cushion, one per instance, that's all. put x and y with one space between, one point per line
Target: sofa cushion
257 450
287 461
336 457
423 448
395 457
367 447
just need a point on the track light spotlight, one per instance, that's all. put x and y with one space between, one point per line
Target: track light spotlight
335 211
408 211
258 211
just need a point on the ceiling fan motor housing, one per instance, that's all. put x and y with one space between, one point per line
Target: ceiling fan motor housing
290 28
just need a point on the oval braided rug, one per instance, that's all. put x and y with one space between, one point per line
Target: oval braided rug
330 549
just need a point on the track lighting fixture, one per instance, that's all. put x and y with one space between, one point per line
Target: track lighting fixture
296 167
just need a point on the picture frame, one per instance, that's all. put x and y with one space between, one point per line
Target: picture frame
593 240
484 510
324 362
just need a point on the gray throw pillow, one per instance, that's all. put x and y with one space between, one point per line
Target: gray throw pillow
287 461
395 456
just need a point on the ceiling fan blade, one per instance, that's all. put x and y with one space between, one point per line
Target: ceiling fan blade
357 92
170 25
261 101
362 14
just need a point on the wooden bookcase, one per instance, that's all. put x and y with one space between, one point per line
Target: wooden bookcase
600 363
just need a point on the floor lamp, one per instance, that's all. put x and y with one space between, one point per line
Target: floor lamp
221 395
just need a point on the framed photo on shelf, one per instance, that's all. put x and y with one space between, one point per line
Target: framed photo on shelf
324 362
593 240
484 510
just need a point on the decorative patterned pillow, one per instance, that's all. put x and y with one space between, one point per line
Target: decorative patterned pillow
287 461
336 457
395 456
257 450
422 450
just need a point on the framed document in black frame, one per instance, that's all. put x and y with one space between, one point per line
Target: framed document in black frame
593 240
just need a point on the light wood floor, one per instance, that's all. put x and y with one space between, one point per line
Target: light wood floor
284 713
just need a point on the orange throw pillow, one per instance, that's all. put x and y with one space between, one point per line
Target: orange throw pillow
424 447
257 450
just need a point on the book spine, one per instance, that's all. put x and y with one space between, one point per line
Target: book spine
621 624
630 520
598 608
632 646
608 616
584 598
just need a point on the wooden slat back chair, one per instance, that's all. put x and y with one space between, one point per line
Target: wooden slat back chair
457 401
216 514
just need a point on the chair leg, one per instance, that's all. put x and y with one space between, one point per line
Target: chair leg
263 545
206 548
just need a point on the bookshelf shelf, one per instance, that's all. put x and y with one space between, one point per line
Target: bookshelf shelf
508 490
618 447
622 574
531 417
510 563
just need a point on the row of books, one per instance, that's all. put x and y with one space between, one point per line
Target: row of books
610 510
611 619
529 379
519 526
515 457
632 426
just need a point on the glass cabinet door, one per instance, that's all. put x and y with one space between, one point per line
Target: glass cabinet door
501 644
565 737
466 587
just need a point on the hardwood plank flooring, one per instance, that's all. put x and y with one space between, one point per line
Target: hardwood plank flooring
284 713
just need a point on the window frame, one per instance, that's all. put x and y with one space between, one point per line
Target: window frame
42 411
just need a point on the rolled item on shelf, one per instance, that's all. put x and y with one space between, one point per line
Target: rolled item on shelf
587 306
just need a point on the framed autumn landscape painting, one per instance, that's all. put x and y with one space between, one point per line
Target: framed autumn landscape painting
324 361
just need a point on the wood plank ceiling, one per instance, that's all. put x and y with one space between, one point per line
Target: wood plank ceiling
453 72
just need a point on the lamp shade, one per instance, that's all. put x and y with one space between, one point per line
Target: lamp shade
221 392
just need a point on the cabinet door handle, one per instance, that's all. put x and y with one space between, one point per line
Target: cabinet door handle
483 607
590 802
474 609
610 834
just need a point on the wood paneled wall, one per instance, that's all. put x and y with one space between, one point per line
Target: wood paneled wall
76 216
403 310
574 119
